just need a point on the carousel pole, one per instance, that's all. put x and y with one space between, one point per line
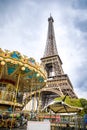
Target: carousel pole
34 101
2 68
31 97
39 104
15 99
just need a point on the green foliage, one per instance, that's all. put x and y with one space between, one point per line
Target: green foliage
70 101
74 102
84 104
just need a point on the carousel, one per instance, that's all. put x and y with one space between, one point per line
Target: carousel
20 78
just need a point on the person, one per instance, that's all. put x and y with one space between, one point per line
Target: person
23 120
67 127
85 121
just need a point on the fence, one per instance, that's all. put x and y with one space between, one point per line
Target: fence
66 122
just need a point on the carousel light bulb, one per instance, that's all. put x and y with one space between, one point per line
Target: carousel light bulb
45 80
23 68
2 63
38 75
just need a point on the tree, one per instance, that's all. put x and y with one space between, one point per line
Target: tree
84 104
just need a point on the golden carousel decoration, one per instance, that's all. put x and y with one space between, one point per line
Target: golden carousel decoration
19 76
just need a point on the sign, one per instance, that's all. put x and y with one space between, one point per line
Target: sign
38 125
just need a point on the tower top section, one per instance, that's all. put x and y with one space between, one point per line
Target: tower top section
50 48
50 19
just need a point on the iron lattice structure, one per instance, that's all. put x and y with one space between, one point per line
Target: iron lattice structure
58 83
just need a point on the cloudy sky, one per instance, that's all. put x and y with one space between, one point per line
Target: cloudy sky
24 24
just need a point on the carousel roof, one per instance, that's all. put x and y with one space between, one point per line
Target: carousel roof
22 72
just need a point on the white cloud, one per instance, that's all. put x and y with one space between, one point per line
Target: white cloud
23 27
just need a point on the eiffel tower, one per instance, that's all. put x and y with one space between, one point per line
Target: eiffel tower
58 83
